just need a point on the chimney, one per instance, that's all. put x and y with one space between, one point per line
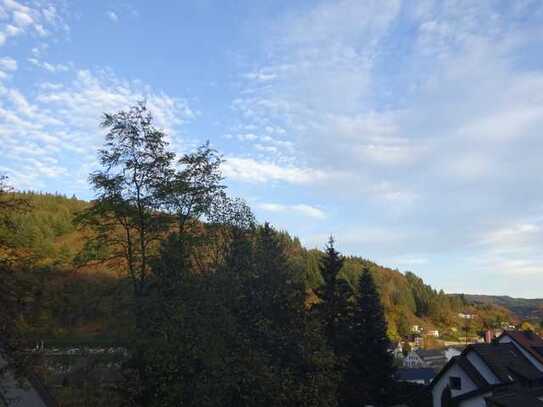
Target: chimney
489 335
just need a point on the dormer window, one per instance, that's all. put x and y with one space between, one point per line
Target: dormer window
455 383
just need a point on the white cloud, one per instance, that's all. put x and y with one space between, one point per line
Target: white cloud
267 149
512 236
442 114
515 121
511 249
354 239
8 64
246 136
39 18
56 132
423 117
53 68
261 76
394 194
250 170
12 30
301 209
469 166
22 19
49 13
112 16
408 261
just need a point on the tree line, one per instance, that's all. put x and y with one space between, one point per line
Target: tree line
220 316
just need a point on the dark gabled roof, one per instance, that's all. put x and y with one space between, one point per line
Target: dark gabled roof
42 390
503 359
513 398
35 382
443 370
420 373
506 362
459 348
472 372
430 353
527 340
467 367
455 401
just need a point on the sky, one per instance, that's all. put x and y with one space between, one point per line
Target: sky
409 130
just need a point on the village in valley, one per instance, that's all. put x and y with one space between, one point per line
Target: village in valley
501 368
422 355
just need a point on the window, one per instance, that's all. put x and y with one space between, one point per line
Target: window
455 383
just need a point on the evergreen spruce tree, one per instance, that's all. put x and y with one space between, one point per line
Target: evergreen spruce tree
368 375
275 316
334 295
252 364
320 365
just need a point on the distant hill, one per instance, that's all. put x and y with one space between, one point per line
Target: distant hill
523 308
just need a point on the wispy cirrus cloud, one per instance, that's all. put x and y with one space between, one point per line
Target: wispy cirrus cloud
251 170
61 121
430 111
112 16
8 64
298 209
53 68
414 123
34 18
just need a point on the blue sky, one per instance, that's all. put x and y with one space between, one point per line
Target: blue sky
410 130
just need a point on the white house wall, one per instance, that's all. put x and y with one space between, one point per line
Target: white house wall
456 371
413 360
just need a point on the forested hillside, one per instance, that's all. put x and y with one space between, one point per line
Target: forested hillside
84 299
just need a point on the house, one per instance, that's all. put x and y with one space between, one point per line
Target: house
28 392
434 333
514 398
433 358
419 375
429 358
498 332
397 351
453 351
528 343
418 341
415 329
413 360
465 316
488 374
